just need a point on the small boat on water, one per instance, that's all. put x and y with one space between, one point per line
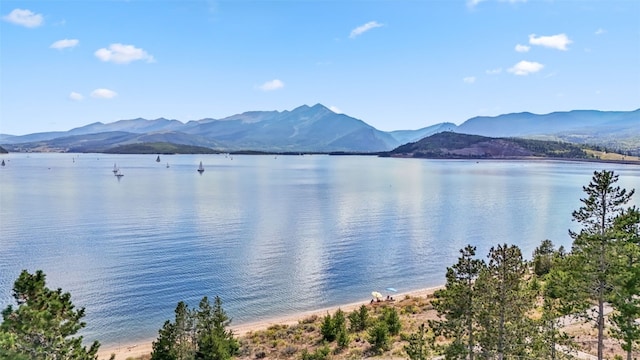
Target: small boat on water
119 174
200 168
3 164
167 165
158 158
115 169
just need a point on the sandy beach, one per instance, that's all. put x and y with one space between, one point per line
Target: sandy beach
134 350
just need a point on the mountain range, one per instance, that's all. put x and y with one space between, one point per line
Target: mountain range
318 129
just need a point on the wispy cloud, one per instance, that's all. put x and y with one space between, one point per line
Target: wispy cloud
559 41
469 79
103 94
600 31
522 48
123 54
335 109
493 71
24 17
271 85
364 28
473 3
525 68
65 43
75 96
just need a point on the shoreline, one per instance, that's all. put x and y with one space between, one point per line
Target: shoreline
140 348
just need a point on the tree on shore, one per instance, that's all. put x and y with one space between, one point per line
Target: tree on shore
504 301
359 319
625 297
559 299
196 334
419 344
44 323
379 337
543 257
456 305
596 245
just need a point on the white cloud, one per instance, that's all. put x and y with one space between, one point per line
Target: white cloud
24 17
522 48
494 71
274 84
525 68
75 96
103 94
469 79
600 31
559 41
335 109
123 54
65 43
364 28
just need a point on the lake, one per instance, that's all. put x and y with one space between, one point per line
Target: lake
269 235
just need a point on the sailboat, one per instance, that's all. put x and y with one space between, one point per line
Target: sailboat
167 165
119 174
200 168
158 158
2 163
115 169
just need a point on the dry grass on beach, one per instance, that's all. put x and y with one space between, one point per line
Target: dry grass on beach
287 337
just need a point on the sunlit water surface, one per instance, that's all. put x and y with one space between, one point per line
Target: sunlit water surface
269 235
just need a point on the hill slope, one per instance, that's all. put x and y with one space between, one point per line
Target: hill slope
613 129
454 145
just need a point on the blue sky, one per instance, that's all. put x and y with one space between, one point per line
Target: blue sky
394 64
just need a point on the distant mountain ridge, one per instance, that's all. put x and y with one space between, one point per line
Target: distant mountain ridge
318 129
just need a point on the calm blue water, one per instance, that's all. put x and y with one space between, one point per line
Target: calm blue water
270 236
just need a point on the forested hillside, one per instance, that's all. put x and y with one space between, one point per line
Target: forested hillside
455 145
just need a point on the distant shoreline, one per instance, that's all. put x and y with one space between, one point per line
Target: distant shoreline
378 154
140 348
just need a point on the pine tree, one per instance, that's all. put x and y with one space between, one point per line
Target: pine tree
595 245
456 305
43 324
327 329
340 328
560 297
215 341
420 344
625 298
543 258
379 337
185 345
164 347
200 334
359 319
392 319
504 301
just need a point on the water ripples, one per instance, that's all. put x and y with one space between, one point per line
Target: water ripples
270 236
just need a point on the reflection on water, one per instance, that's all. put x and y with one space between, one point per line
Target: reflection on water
269 235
